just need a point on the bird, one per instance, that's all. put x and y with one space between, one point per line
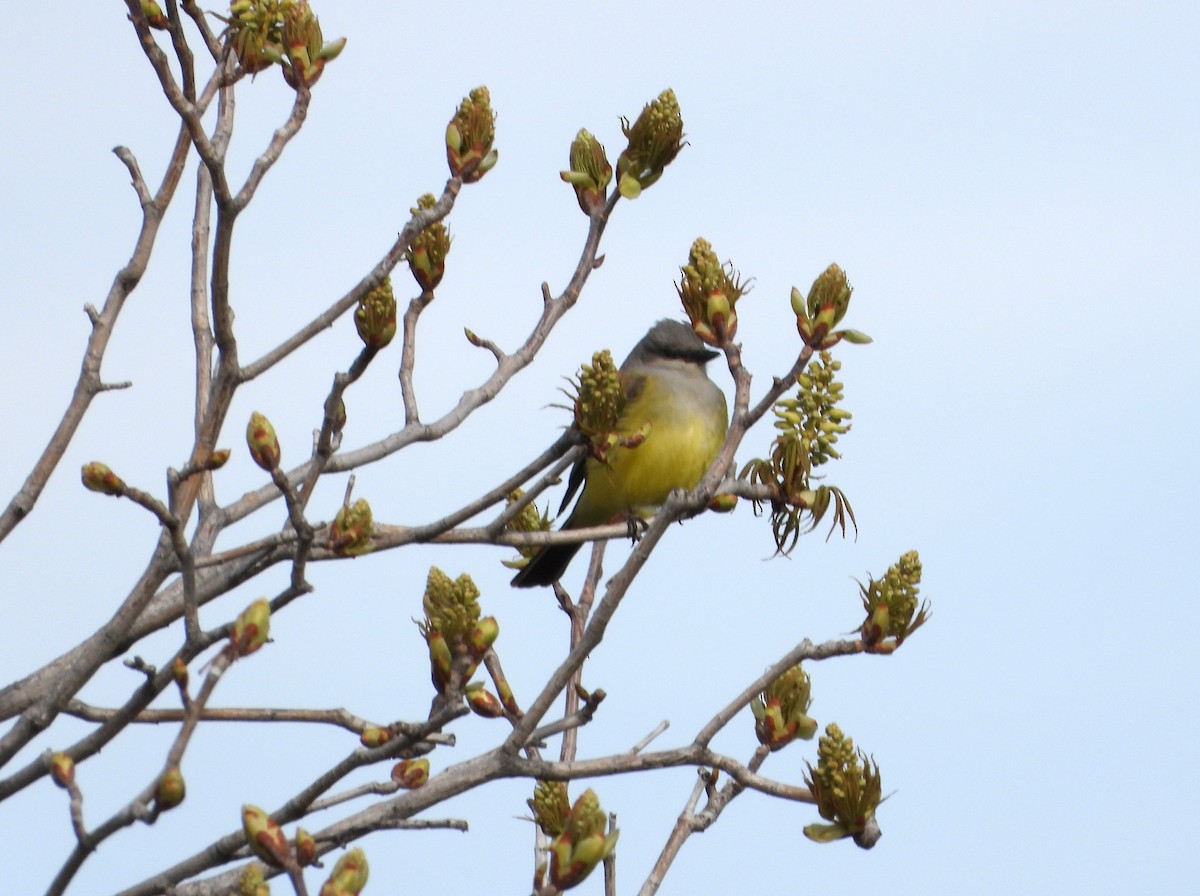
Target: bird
665 386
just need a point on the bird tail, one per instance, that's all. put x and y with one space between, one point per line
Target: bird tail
546 566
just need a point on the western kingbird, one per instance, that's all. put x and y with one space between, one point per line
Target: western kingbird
665 386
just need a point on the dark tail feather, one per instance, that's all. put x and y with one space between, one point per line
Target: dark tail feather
546 567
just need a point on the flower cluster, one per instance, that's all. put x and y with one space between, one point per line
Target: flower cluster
599 400
375 316
584 840
654 141
891 605
709 292
427 254
847 788
550 805
469 137
286 33
808 428
530 519
457 637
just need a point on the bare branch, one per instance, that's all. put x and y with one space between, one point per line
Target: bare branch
89 383
649 738
198 17
419 221
408 356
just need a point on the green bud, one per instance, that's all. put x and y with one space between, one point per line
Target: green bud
62 770
484 635
855 337
374 736
154 15
252 628
333 49
262 442
349 875
590 172
582 845
724 503
97 477
352 528
264 837
441 660
170 790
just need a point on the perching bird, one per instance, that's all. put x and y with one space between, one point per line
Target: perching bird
665 386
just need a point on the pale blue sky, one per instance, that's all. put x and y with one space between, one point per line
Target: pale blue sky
1014 193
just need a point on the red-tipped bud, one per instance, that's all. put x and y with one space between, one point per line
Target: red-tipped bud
484 635
351 530
306 848
349 875
427 254
582 845
373 736
590 172
483 702
723 503
170 790
469 137
411 773
62 769
261 440
99 478
441 659
251 628
154 15
265 837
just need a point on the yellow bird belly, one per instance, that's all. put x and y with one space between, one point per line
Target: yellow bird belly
675 454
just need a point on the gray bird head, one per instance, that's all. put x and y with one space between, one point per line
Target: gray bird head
670 340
